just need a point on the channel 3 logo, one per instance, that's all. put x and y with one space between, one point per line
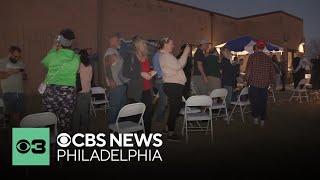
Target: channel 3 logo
30 146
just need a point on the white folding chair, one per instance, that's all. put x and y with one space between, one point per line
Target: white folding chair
219 95
104 103
129 126
190 109
271 92
198 101
41 120
300 91
240 104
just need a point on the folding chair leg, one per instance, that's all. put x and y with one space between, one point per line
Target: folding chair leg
292 96
227 116
92 110
187 138
300 98
307 97
211 130
232 112
242 116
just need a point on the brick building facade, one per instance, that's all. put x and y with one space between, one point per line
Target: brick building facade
33 25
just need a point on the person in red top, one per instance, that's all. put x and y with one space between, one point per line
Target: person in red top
260 75
137 68
145 68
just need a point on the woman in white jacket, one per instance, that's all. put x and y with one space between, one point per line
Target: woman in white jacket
174 80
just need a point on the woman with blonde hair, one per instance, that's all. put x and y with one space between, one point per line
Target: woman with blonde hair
137 68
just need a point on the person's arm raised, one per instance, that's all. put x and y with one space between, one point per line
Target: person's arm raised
183 59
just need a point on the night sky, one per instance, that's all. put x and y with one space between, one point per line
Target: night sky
308 10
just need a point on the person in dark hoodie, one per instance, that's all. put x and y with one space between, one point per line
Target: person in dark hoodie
229 74
62 64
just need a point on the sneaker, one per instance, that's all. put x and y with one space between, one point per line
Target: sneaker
256 121
173 137
262 123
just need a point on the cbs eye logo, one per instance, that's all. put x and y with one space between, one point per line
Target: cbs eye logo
63 140
30 146
37 146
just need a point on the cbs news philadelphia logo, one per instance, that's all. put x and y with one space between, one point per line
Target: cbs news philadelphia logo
30 146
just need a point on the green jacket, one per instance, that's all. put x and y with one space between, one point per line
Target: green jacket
62 67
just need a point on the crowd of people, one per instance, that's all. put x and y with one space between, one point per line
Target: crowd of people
135 78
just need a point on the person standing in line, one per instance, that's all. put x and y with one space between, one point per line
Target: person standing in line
113 64
212 70
174 81
229 74
199 78
60 94
162 101
298 69
82 109
12 77
137 68
277 68
284 72
260 75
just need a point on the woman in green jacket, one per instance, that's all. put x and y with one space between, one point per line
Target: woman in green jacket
60 94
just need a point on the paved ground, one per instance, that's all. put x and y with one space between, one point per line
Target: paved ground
289 144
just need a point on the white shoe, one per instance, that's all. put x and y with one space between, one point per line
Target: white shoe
256 121
262 123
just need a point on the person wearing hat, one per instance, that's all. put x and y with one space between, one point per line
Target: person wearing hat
199 77
62 64
260 75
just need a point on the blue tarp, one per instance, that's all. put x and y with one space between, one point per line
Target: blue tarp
239 44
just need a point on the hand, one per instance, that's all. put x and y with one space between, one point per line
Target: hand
187 49
205 79
10 72
111 84
152 73
146 75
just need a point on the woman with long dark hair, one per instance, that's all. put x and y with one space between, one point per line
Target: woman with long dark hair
82 108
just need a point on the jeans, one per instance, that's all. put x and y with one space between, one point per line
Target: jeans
162 102
117 99
229 95
174 93
258 98
14 102
80 121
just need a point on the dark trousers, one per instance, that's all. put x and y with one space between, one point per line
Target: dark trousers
174 94
146 98
258 98
80 121
283 80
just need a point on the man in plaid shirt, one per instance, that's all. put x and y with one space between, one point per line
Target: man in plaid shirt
260 75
